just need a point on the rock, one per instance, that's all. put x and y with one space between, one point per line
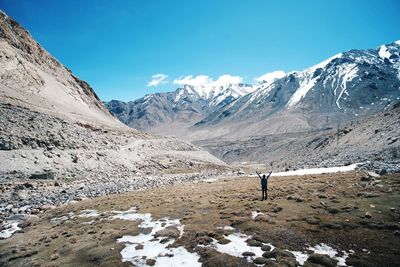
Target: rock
277 209
139 246
358 262
368 194
54 256
42 175
383 172
224 241
366 178
145 230
47 207
313 221
278 254
322 259
266 248
269 254
260 260
204 240
254 243
150 262
333 211
248 254
368 215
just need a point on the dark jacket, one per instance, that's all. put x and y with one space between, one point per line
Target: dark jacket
264 179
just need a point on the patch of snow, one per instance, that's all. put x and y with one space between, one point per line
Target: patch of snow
254 214
324 63
301 257
88 213
349 72
317 170
89 222
9 229
305 86
227 228
210 180
153 249
237 246
384 52
179 95
63 218
397 42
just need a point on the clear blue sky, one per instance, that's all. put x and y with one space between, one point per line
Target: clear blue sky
118 45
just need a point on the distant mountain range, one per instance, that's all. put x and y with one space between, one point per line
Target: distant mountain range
349 85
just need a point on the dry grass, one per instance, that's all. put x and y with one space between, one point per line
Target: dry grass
303 220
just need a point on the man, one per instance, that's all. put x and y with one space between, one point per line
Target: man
264 184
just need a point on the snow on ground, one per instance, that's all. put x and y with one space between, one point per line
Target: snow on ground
322 248
227 228
63 218
237 246
317 170
9 228
254 214
143 246
88 213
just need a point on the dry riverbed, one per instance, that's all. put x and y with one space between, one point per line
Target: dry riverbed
353 217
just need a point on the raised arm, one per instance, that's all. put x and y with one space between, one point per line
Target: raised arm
258 174
268 174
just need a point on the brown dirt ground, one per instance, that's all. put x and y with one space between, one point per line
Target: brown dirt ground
339 220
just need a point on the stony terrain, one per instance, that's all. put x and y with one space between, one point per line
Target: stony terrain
373 141
354 213
59 143
47 160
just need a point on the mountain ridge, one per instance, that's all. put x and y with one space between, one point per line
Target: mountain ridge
343 87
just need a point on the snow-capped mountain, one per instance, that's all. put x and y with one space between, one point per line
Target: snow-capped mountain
346 86
186 104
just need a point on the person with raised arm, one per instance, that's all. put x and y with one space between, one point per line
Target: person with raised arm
264 184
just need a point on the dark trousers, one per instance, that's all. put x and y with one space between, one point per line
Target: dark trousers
264 192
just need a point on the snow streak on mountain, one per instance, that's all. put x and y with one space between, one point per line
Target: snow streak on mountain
346 86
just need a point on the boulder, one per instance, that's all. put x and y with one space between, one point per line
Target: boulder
322 259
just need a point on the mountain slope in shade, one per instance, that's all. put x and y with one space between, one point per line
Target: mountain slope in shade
32 78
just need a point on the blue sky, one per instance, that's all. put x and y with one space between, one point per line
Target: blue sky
117 46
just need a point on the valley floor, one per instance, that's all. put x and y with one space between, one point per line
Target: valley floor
354 214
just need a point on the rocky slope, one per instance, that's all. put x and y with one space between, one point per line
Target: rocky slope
373 141
357 83
55 130
291 121
32 78
167 113
353 84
